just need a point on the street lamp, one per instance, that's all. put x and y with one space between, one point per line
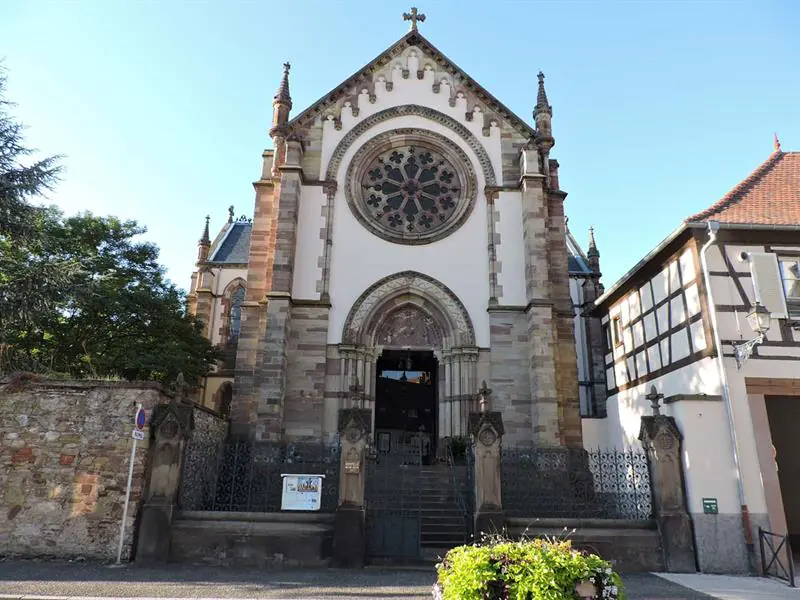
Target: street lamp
759 321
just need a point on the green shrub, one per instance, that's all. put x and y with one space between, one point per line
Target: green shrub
538 569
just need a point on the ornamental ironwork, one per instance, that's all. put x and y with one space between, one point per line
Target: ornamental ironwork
246 476
412 189
576 483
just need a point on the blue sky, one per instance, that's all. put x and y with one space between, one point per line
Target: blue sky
162 108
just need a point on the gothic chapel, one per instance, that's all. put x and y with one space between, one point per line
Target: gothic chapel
408 243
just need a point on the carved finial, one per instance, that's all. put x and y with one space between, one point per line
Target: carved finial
283 89
566 224
542 104
654 398
230 214
205 240
485 395
777 143
593 251
414 16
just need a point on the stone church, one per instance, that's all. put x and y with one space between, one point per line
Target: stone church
408 244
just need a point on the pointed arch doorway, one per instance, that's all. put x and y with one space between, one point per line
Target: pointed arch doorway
410 341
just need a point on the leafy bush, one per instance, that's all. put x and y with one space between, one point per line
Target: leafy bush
538 569
458 445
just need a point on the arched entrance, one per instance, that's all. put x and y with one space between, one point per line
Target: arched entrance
409 342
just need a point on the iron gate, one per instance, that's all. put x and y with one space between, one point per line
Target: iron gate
414 511
776 556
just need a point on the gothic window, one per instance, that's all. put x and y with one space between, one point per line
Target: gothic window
235 315
411 189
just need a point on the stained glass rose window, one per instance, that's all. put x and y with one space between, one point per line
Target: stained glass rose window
411 189
408 190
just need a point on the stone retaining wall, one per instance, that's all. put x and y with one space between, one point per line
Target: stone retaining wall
64 456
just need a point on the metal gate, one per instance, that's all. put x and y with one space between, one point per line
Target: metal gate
414 511
776 556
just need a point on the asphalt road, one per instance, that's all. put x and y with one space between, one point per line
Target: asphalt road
20 579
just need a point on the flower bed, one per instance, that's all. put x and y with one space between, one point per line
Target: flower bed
538 569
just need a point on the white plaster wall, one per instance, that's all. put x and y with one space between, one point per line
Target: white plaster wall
359 258
576 294
595 434
310 243
510 251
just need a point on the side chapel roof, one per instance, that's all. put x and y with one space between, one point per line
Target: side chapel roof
232 244
412 38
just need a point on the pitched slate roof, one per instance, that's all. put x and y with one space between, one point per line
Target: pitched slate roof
412 38
232 245
770 195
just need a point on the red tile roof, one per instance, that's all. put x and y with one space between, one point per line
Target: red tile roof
769 196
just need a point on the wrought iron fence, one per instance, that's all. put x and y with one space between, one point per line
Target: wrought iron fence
576 483
246 476
776 556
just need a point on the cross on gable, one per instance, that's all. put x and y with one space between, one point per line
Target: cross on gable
413 16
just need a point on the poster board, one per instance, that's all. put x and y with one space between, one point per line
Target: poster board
301 491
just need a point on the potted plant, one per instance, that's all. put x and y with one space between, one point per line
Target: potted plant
534 569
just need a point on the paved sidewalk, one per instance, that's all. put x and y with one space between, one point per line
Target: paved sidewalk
59 580
730 587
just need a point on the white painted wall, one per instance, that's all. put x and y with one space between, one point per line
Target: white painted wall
310 243
359 258
510 251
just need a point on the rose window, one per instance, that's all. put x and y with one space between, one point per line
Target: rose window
411 189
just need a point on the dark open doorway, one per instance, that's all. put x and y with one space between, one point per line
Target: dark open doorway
405 403
783 413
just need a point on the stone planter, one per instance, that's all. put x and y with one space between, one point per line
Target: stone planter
584 589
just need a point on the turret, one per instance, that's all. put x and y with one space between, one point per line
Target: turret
281 106
204 244
593 254
543 116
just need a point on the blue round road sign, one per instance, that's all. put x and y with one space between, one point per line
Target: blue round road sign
140 419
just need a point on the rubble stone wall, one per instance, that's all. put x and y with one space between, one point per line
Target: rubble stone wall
65 449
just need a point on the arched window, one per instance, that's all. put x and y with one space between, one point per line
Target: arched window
235 315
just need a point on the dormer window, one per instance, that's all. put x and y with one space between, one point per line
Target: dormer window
790 274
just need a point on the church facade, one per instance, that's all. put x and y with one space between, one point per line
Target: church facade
408 233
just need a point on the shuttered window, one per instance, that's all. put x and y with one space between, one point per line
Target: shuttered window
790 274
768 283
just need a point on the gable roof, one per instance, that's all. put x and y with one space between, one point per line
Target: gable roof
770 195
232 245
577 260
768 198
412 38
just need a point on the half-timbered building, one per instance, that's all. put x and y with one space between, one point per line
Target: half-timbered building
707 328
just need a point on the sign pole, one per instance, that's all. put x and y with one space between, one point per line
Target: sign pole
128 488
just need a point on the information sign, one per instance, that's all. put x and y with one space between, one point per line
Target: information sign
301 492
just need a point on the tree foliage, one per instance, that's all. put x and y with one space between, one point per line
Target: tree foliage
82 295
20 179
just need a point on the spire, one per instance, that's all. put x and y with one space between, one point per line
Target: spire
777 143
204 243
281 105
283 89
206 238
593 254
542 105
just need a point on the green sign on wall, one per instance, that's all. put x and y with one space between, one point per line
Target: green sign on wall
710 506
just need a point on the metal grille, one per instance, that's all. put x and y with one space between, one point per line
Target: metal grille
576 483
246 476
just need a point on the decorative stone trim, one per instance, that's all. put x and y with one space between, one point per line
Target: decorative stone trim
494 240
427 293
326 234
421 138
412 110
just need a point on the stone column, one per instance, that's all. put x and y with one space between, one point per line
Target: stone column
662 441
170 425
349 542
486 428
